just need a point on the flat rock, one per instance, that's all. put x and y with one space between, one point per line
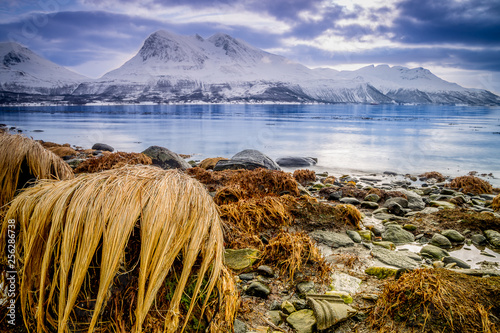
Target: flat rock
296 161
102 146
345 282
460 263
442 204
381 272
394 233
394 258
349 200
249 159
332 239
165 158
302 321
239 260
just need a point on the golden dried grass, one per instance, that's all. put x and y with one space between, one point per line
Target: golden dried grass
23 160
290 252
348 214
72 244
438 300
63 151
112 161
304 176
471 184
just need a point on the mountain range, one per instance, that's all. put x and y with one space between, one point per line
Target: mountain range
171 68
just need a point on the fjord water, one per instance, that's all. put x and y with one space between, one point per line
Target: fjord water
368 138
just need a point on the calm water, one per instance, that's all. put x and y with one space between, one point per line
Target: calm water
367 138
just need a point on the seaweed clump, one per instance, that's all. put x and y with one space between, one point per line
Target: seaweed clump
304 176
495 204
471 184
438 300
112 161
348 214
433 175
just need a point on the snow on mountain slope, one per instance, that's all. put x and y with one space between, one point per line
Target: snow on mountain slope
21 70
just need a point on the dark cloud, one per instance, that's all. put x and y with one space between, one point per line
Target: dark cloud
469 22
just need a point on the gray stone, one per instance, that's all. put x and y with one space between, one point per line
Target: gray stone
247 276
447 191
369 204
453 235
487 196
275 317
394 258
394 208
399 200
302 321
305 287
433 252
345 282
332 239
372 197
394 233
287 307
478 239
249 159
493 237
295 161
335 196
239 326
165 158
354 235
299 304
265 271
348 200
258 289
415 201
442 204
441 241
102 146
452 260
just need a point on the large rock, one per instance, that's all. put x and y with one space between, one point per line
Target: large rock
398 259
332 239
294 161
453 235
302 321
102 146
394 233
441 241
249 159
242 259
493 237
165 158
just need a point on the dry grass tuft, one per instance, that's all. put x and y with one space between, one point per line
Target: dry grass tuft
348 214
496 203
23 160
433 175
95 252
112 161
209 163
290 252
471 184
63 151
258 182
304 176
438 300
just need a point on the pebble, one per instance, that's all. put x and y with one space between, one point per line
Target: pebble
265 271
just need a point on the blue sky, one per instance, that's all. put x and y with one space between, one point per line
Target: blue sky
458 40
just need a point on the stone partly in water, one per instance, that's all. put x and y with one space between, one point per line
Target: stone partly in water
453 235
441 241
239 260
433 252
478 239
493 237
295 161
452 260
394 233
165 158
102 146
302 321
332 239
249 159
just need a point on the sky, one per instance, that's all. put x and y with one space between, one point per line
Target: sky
458 40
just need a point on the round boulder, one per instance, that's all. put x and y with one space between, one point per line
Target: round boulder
102 146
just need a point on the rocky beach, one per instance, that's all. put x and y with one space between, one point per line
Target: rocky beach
318 252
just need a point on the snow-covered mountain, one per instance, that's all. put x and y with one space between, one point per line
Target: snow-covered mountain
22 71
175 68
